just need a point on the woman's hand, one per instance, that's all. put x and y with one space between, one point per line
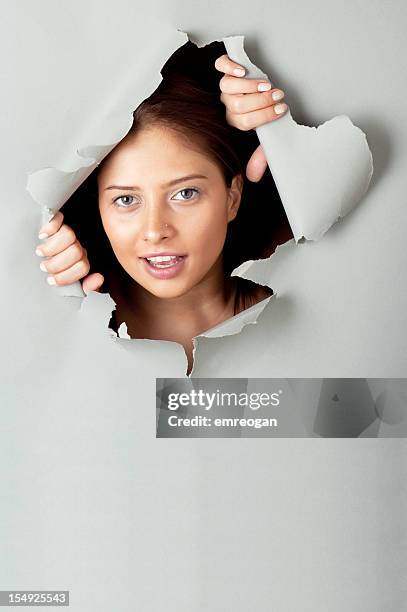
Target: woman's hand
249 103
67 260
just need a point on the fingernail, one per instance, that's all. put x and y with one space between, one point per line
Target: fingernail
239 71
263 86
42 266
277 95
280 108
42 235
51 280
39 253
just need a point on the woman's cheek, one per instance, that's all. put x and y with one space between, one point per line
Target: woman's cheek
208 226
216 235
120 236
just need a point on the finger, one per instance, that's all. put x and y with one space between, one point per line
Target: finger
92 282
233 85
73 274
250 121
225 64
249 102
60 241
256 165
63 261
52 226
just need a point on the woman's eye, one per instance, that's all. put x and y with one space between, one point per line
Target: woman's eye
127 201
186 194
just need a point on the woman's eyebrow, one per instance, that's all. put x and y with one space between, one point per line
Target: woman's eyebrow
174 182
184 178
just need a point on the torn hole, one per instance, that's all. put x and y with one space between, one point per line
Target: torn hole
184 120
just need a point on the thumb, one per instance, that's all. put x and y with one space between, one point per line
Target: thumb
92 282
256 165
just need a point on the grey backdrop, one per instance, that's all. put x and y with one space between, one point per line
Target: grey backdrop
90 500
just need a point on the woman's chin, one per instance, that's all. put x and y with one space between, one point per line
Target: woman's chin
167 293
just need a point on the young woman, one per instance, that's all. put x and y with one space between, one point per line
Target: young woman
175 211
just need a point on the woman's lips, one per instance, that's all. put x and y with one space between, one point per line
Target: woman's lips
170 270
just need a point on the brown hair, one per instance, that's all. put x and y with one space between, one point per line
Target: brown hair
197 117
188 101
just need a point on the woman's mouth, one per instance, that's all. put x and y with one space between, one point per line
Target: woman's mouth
166 266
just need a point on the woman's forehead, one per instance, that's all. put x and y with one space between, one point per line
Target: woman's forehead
157 154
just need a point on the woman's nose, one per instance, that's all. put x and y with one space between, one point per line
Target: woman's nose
155 226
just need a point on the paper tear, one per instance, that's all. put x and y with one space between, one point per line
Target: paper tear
233 325
322 172
259 270
97 308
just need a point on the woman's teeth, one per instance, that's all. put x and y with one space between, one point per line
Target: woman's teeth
164 261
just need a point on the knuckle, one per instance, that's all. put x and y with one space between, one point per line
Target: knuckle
50 266
223 83
84 267
61 279
68 232
238 104
44 249
77 249
231 119
244 123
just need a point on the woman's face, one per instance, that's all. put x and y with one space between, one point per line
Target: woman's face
160 198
